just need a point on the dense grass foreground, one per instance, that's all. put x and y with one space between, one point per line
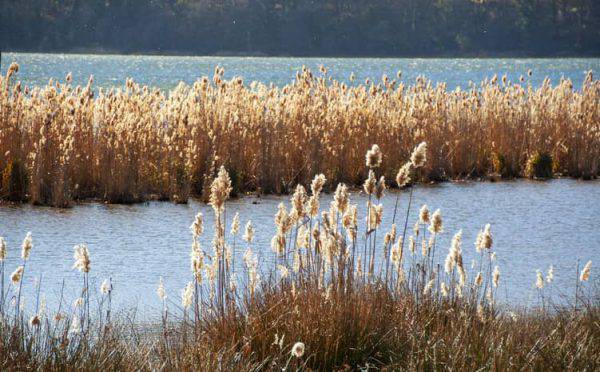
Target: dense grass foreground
60 143
340 299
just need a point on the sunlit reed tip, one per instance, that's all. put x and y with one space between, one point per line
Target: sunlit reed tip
496 276
550 275
197 226
106 287
26 246
403 176
235 224
585 273
424 214
220 190
82 258
373 157
539 279
436 223
3 250
419 155
160 290
187 295
249 232
17 274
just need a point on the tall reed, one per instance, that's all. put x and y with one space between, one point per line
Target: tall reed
60 143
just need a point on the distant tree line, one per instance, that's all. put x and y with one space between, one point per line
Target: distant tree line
304 27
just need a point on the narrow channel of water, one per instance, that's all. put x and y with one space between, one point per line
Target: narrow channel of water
535 225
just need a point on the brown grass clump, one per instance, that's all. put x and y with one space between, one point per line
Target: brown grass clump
134 142
345 296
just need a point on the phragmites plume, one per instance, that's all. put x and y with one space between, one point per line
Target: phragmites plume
298 349
249 232
375 216
298 203
82 258
454 258
3 249
444 289
75 326
479 279
198 226
380 188
282 219
187 295
220 190
436 223
106 287
424 214
317 184
341 198
550 275
585 273
16 276
539 279
403 176
313 202
419 155
235 224
370 184
496 276
12 69
373 157
26 246
485 241
428 286
283 271
160 290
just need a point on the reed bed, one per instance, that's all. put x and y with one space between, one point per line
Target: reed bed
341 298
60 143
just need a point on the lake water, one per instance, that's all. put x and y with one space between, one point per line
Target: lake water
166 72
535 225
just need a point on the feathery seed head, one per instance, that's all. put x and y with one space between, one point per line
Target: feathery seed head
26 246
585 273
249 232
220 190
370 184
436 222
424 214
3 250
419 155
403 176
373 157
106 287
82 258
17 274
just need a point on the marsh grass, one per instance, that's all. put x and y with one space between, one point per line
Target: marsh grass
340 299
60 143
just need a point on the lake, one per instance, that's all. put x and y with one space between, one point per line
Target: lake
535 225
167 71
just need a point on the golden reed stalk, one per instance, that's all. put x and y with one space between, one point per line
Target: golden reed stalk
60 143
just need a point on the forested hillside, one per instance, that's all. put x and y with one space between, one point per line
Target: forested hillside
304 27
